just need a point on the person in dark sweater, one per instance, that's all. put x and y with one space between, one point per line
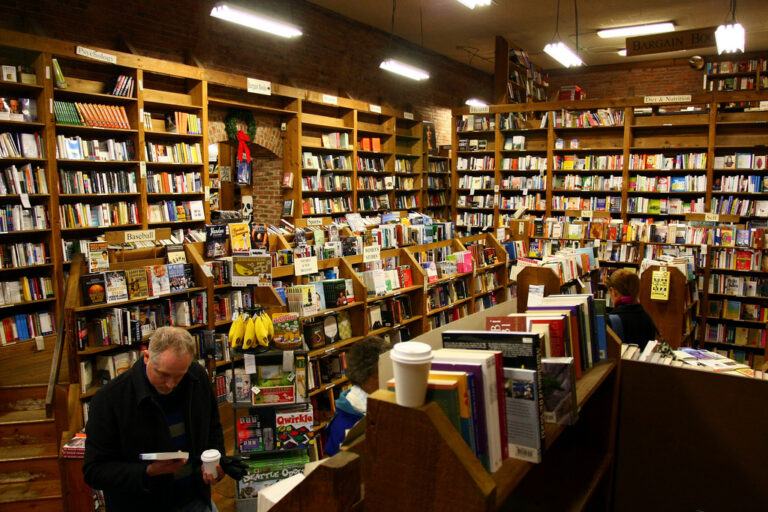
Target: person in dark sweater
164 403
636 325
363 374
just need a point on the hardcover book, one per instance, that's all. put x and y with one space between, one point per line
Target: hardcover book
176 277
117 288
240 238
94 289
215 241
159 283
98 256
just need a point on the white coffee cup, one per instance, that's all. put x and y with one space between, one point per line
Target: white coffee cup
210 459
411 361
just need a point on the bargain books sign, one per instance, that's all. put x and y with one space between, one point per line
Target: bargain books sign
671 41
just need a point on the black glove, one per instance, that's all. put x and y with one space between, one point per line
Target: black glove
233 466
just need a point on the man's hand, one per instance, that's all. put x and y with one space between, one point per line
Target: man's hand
165 467
210 480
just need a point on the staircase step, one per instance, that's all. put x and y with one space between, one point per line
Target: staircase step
24 416
35 470
55 504
29 433
28 451
22 397
29 492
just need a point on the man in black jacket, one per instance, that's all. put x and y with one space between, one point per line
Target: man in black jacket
164 403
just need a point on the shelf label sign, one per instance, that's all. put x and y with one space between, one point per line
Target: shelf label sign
408 115
143 170
258 86
332 100
711 217
586 213
374 108
145 235
314 221
480 109
680 98
304 266
371 253
96 55
660 285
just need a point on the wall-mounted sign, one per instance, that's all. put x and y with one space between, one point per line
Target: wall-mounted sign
671 41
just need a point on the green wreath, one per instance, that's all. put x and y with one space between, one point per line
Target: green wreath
230 123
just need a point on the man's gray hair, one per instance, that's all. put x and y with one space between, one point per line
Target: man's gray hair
171 338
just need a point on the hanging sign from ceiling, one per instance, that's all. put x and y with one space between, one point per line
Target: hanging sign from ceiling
671 41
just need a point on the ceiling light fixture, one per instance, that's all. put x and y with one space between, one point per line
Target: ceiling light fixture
730 35
475 3
396 66
559 50
474 102
412 72
637 30
228 12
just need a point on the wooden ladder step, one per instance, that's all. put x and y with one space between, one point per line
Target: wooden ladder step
24 416
29 491
28 452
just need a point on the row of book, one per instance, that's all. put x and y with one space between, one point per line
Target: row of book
176 211
409 202
727 66
469 181
664 206
741 184
23 254
21 145
373 203
734 335
17 218
97 182
743 83
514 143
594 203
25 289
25 326
86 215
738 286
14 181
471 122
475 201
136 283
337 140
370 144
688 183
732 205
524 163
443 295
688 358
575 182
407 184
437 199
475 220
328 182
739 259
741 160
316 205
370 164
439 166
587 118
91 114
124 85
528 201
657 161
178 153
438 183
374 183
403 165
174 183
588 162
485 163
77 148
326 162
731 309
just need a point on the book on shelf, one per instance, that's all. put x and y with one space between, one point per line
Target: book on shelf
136 282
94 289
157 278
117 289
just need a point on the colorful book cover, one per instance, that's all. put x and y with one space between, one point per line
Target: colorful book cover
159 283
98 256
94 289
117 288
558 382
215 240
176 278
240 238
524 431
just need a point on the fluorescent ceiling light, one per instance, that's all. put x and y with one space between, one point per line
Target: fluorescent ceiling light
395 66
730 38
637 30
475 3
474 102
622 52
240 16
561 53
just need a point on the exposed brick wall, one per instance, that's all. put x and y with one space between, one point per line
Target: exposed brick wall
638 81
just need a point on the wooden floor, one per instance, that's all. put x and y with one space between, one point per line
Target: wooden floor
224 495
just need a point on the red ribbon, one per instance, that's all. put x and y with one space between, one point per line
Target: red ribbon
242 147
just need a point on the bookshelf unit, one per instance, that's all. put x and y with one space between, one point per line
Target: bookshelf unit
375 163
474 164
724 73
409 165
516 78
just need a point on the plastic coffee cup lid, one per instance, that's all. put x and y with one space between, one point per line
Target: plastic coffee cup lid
210 455
411 352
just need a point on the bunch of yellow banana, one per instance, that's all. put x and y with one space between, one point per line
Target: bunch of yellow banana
237 331
249 339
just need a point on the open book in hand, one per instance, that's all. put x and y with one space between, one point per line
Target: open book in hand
164 456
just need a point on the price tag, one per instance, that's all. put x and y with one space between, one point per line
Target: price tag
374 108
288 361
207 191
39 343
408 115
250 363
259 86
25 200
501 233
496 189
304 266
596 242
711 217
331 100
371 253
703 248
520 228
525 191
50 105
141 85
48 73
143 170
